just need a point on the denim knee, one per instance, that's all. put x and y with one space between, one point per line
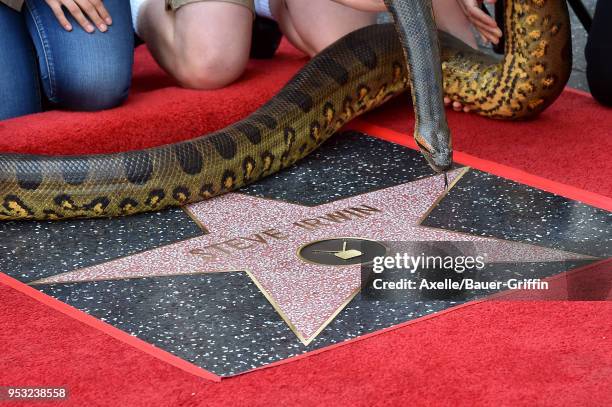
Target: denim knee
19 90
91 87
79 70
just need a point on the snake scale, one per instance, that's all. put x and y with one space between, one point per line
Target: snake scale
352 76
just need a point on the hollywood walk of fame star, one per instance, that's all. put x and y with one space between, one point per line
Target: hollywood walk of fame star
262 237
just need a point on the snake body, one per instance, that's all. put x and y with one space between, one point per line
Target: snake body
355 75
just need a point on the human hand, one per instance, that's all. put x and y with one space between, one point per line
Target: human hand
94 9
484 23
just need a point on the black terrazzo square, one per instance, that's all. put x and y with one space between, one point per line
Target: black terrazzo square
346 165
30 251
487 205
220 322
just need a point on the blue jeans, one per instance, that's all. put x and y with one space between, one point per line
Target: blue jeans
41 64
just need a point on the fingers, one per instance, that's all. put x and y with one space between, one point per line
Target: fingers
94 9
99 5
78 15
457 106
92 12
477 15
56 7
489 34
484 23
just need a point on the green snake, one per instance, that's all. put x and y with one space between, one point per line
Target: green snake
354 75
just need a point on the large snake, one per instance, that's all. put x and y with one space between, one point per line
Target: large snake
356 74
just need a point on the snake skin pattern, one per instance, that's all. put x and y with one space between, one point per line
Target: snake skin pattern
356 74
418 37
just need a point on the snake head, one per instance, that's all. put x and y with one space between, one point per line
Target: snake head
436 147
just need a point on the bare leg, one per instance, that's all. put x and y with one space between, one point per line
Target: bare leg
314 24
203 45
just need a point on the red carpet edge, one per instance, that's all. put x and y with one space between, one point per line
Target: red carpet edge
108 329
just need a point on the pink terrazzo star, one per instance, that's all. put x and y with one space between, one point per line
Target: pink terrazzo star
262 237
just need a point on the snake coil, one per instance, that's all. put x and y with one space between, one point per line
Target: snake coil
356 74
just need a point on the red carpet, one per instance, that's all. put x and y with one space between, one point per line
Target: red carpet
575 133
488 353
156 112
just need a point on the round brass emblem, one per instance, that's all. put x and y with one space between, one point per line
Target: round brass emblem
341 251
